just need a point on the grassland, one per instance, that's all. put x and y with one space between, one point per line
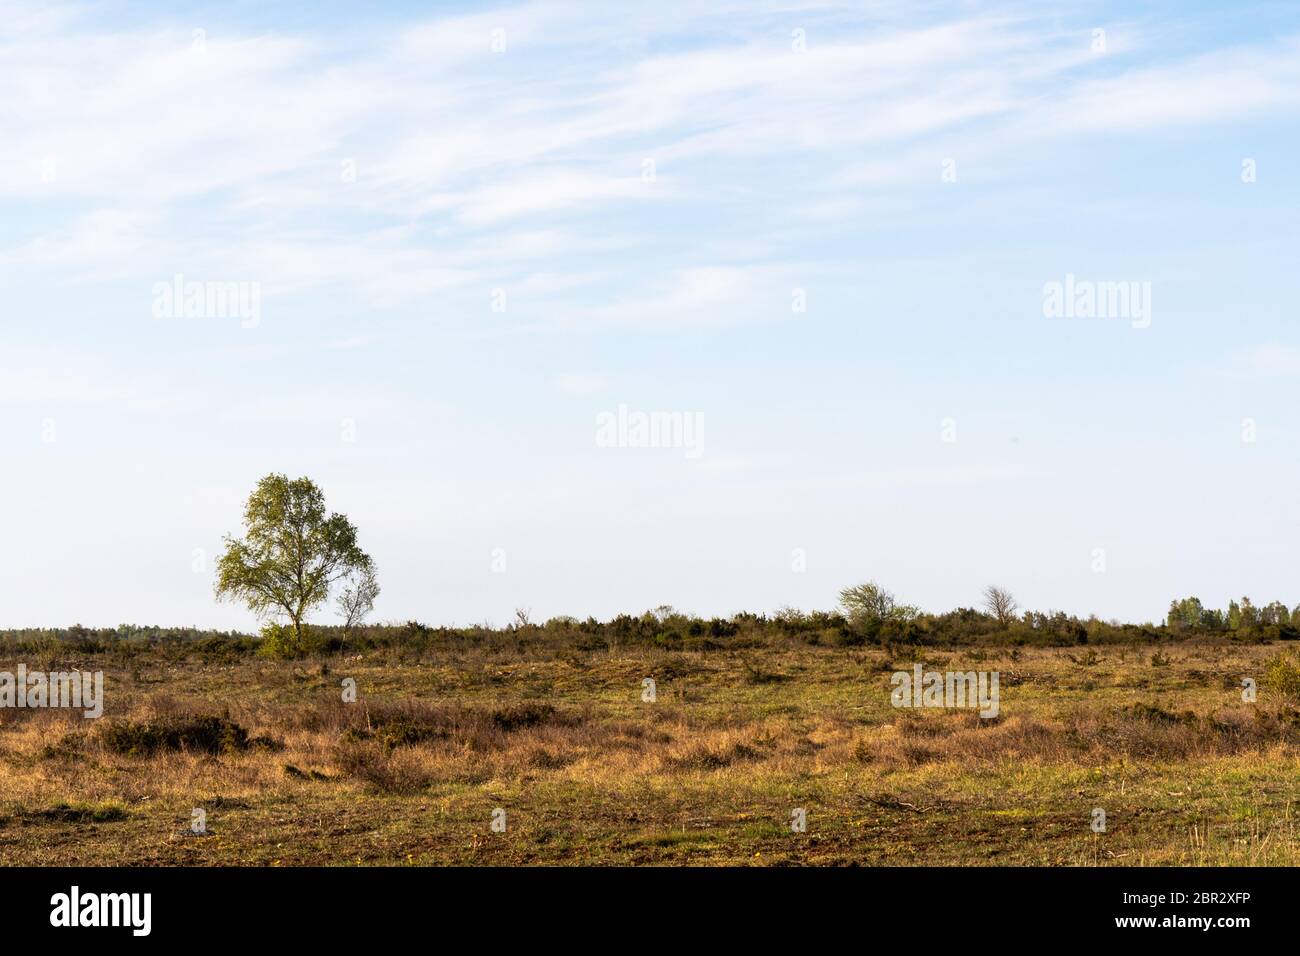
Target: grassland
709 773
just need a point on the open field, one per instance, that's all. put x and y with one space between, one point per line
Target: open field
708 773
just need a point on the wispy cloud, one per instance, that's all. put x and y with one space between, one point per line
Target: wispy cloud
581 383
1224 85
1265 362
441 211
438 142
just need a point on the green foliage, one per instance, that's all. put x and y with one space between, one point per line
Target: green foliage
1185 613
1282 676
869 607
281 642
357 599
1242 621
663 627
1274 614
292 553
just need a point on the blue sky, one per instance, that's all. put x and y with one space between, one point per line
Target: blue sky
465 255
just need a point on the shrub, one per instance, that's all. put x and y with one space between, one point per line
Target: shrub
396 733
704 757
79 813
1282 676
522 715
386 771
214 647
1158 715
281 642
194 732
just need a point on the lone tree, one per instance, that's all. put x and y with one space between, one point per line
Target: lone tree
292 553
999 603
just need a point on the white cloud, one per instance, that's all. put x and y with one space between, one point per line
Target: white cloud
102 244
1267 362
349 343
228 161
32 384
546 192
580 383
1217 86
704 295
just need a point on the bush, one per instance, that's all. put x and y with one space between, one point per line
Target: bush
386 771
202 733
281 642
522 715
1282 676
225 649
79 813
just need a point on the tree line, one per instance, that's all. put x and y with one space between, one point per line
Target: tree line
295 556
1190 614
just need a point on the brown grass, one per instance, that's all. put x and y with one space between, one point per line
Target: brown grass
587 771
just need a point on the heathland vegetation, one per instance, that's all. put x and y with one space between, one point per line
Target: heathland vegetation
650 738
403 752
294 553
664 627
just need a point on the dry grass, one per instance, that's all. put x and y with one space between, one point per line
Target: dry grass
586 771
